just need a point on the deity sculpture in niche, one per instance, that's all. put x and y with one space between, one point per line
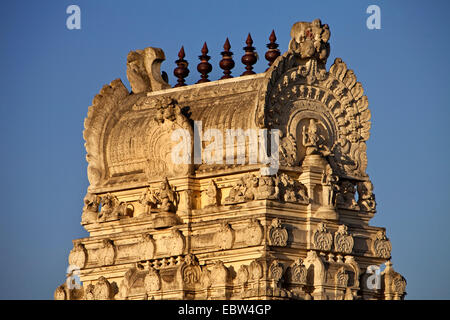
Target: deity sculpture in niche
313 141
329 188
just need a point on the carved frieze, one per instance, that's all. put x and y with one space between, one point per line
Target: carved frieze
152 281
224 238
190 271
298 272
343 242
254 232
78 255
381 246
341 278
146 247
277 234
103 289
275 271
219 274
175 242
322 239
107 253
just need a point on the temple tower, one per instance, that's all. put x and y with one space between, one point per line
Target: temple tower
249 187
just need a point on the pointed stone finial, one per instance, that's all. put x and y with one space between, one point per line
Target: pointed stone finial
181 71
273 53
204 67
249 58
227 62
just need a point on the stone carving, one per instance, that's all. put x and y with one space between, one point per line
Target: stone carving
164 197
278 236
89 292
143 70
267 188
108 99
78 255
103 289
90 208
343 242
314 142
292 190
329 187
322 240
310 40
212 193
288 151
60 293
148 201
111 209
254 232
146 247
243 275
225 237
394 283
345 197
276 271
219 274
323 121
176 243
236 194
298 272
341 278
190 270
256 270
251 187
152 281
366 197
205 279
381 246
107 254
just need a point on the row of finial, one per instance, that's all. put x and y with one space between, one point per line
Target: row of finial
227 62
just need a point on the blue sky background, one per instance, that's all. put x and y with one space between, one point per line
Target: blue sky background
50 75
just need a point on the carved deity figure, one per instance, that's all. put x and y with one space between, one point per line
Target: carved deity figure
268 188
237 192
212 194
147 200
329 180
112 209
366 197
90 209
165 197
251 187
346 195
313 141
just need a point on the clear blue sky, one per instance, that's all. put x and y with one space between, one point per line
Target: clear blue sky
50 75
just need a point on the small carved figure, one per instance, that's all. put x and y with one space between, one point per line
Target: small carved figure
90 209
236 194
212 194
329 180
268 188
314 142
165 197
346 196
148 201
251 187
111 208
366 197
